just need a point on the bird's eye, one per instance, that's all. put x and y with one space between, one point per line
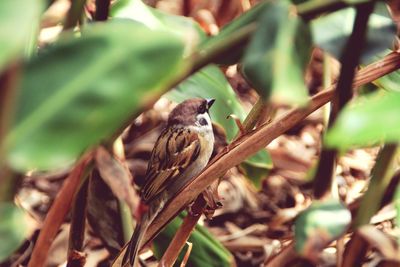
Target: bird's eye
202 108
203 122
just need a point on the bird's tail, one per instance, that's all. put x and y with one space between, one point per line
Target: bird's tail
131 255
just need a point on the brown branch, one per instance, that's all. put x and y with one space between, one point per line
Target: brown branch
74 14
183 234
57 212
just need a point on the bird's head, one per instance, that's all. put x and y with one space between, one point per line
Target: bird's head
192 112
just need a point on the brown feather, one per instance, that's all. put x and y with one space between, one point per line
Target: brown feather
174 151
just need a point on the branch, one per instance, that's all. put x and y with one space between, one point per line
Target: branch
183 233
77 232
311 9
74 14
57 212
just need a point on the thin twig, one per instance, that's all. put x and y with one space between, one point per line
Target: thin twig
8 85
57 212
381 176
183 233
102 8
187 254
311 9
74 14
77 231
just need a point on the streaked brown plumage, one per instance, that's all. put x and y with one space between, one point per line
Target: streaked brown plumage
180 153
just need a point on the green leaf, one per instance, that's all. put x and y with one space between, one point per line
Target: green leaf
185 28
245 19
12 229
320 224
368 121
332 31
82 90
206 251
391 81
256 167
278 54
17 23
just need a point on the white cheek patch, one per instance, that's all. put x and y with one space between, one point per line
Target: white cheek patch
202 117
206 128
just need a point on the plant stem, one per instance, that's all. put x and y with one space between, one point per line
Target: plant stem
77 231
124 210
183 233
397 207
74 14
251 119
310 9
126 220
58 211
381 175
8 85
208 54
350 58
102 8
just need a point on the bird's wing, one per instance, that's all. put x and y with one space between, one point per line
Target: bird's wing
173 152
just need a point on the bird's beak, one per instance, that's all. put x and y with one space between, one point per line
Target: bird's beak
210 102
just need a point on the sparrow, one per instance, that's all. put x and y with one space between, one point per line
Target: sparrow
180 153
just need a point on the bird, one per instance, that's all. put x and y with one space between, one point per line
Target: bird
180 153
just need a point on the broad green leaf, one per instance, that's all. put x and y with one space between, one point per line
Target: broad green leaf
277 56
368 121
82 90
230 29
211 83
320 224
206 251
332 31
185 28
389 82
12 229
17 23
